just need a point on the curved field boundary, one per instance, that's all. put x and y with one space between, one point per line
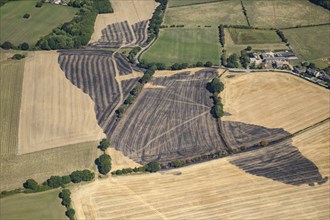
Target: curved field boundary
213 190
97 73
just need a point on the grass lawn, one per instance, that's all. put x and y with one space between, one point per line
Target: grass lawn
312 43
11 75
284 13
247 36
44 205
224 12
255 40
180 45
16 29
178 3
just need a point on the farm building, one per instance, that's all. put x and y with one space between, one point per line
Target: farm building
299 69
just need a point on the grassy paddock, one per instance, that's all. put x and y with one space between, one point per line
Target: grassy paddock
43 164
45 205
176 45
260 45
284 13
224 12
250 36
11 74
179 3
41 22
312 43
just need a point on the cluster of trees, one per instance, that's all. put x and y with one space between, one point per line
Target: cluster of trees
66 201
222 35
156 20
77 32
232 61
281 35
18 56
78 176
244 58
132 54
215 87
323 3
7 46
103 163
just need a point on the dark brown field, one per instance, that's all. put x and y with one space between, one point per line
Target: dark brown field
123 34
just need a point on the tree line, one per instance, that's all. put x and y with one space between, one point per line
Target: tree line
66 201
216 87
156 20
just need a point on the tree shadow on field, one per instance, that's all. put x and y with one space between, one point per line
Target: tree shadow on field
279 160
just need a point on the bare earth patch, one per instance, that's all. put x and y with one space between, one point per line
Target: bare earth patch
53 111
274 100
132 11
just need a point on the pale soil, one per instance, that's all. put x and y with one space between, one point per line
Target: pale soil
274 100
210 190
129 76
53 111
132 11
119 160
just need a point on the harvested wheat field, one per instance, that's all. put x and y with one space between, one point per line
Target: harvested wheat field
213 190
53 111
274 100
134 12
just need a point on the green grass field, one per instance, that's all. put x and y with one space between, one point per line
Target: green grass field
11 75
311 44
179 3
45 205
180 45
42 21
224 12
248 36
259 43
284 13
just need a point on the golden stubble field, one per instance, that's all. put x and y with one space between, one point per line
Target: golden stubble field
132 11
53 111
274 100
211 190
218 189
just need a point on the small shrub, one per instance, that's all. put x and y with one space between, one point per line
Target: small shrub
24 46
18 56
7 45
38 4
26 16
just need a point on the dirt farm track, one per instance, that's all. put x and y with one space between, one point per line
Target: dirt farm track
225 188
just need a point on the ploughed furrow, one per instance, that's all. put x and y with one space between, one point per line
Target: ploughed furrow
170 121
115 35
281 162
122 66
140 31
93 71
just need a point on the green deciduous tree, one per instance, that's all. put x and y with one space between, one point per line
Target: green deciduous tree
104 144
152 166
103 163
